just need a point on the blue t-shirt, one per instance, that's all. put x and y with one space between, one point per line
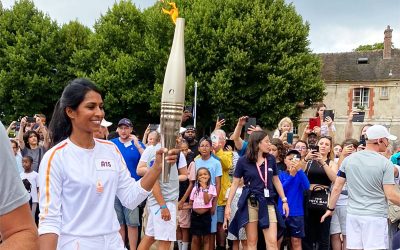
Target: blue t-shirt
394 158
294 187
248 170
242 151
213 165
131 155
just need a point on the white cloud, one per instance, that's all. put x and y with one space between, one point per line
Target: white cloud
345 39
331 30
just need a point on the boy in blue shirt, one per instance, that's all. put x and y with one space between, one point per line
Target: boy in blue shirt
294 182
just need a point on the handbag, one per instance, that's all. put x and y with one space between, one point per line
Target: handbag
318 198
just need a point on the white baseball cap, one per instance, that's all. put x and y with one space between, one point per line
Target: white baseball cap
105 123
378 131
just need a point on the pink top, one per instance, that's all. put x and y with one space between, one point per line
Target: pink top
198 199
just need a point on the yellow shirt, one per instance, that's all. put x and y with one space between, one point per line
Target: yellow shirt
225 158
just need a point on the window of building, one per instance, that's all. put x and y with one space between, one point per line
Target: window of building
295 130
361 98
384 93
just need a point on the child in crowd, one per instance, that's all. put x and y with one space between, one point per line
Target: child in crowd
201 200
294 182
234 207
33 178
185 188
285 126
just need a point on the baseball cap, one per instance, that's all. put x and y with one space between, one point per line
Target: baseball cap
126 122
294 152
105 123
190 128
378 132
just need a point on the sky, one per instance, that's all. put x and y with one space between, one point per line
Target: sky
335 25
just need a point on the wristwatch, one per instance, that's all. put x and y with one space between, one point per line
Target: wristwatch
284 200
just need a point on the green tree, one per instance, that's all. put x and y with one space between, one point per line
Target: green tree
369 47
118 59
28 55
250 57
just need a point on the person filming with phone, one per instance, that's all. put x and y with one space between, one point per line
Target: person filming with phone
321 173
29 142
326 120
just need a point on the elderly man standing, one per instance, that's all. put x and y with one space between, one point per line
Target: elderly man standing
370 179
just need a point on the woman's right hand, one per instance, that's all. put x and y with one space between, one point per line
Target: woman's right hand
310 155
227 212
242 120
23 122
147 131
225 225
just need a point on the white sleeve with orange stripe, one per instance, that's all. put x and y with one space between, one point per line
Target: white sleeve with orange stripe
50 186
129 191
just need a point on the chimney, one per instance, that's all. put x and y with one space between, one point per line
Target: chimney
387 43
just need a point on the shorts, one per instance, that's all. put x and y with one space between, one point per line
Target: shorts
200 224
295 226
126 216
220 214
159 228
366 232
184 218
103 242
253 213
338 222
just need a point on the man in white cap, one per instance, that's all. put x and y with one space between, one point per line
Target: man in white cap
370 179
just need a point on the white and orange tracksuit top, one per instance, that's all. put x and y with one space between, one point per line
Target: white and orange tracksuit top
78 187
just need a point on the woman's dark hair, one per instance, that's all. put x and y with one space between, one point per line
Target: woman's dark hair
74 93
27 135
318 107
252 147
280 147
197 176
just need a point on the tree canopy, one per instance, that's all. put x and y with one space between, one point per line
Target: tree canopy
369 47
249 58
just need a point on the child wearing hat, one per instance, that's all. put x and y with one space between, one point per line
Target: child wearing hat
294 182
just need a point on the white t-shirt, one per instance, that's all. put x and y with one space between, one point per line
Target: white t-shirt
12 191
33 178
78 188
366 173
169 190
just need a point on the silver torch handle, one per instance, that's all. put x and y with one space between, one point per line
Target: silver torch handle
173 95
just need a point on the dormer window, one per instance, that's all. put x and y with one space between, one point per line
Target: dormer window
362 60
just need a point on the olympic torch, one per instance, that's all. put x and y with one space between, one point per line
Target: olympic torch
173 94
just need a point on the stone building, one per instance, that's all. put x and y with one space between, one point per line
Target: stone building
370 79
